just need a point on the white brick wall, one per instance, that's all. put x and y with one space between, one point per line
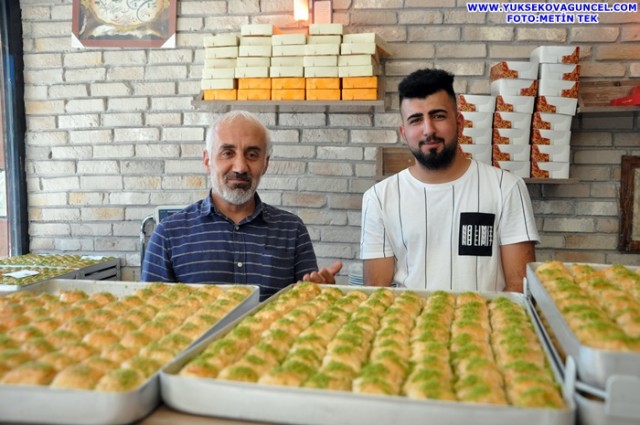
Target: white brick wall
111 133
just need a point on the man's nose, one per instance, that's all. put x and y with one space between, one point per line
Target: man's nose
427 127
240 164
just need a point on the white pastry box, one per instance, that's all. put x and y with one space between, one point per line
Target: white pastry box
524 104
549 170
475 136
514 69
511 120
550 153
560 71
556 54
511 136
546 121
511 152
476 103
519 168
550 137
556 105
558 88
481 153
514 87
477 119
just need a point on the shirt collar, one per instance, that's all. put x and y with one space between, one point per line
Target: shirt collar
208 207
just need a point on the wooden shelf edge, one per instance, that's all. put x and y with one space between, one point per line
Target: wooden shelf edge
293 105
550 181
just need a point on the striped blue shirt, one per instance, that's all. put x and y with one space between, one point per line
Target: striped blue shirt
271 248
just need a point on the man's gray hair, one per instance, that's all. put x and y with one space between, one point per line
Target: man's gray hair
230 117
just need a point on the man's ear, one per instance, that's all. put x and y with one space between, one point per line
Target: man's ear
460 121
401 131
206 160
266 166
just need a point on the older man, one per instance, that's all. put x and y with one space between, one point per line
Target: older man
231 236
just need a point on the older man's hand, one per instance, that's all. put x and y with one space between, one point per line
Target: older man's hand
325 275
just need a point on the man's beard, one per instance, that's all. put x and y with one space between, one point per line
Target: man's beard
236 194
435 160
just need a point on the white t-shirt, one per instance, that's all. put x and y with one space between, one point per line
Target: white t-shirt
447 236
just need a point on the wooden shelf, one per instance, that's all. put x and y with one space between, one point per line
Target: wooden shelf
594 96
345 106
551 181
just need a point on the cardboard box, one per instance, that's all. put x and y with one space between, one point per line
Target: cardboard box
220 94
220 40
358 48
254 83
360 83
510 136
321 50
358 71
558 88
324 39
556 105
546 121
323 94
253 51
331 60
288 83
287 61
357 60
514 87
476 103
221 52
255 41
523 104
475 136
288 94
550 137
550 153
556 54
288 39
366 38
359 94
514 69
481 153
286 71
477 119
218 83
504 152
293 50
511 120
220 63
549 170
244 62
326 29
321 71
252 72
323 83
217 73
254 94
559 71
259 29
519 168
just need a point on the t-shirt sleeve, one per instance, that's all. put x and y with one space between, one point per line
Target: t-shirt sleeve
518 223
373 234
156 265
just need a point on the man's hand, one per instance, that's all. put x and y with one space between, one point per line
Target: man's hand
325 275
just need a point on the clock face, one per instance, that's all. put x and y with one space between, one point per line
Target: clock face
126 13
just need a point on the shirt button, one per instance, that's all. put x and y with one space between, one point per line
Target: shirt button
237 227
239 263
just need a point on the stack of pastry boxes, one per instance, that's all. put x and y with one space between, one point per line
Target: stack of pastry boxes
475 140
556 103
265 64
535 101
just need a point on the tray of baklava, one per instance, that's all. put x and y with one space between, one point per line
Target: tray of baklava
593 314
319 354
89 352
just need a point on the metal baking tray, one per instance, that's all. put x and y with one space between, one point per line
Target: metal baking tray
64 273
34 404
594 366
615 405
305 406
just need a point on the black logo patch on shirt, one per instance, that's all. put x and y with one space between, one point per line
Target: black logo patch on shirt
476 234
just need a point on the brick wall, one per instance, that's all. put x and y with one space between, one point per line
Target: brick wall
112 132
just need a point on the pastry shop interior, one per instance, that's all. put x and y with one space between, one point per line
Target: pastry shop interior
316 212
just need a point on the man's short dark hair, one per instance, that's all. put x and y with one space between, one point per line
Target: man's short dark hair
425 82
